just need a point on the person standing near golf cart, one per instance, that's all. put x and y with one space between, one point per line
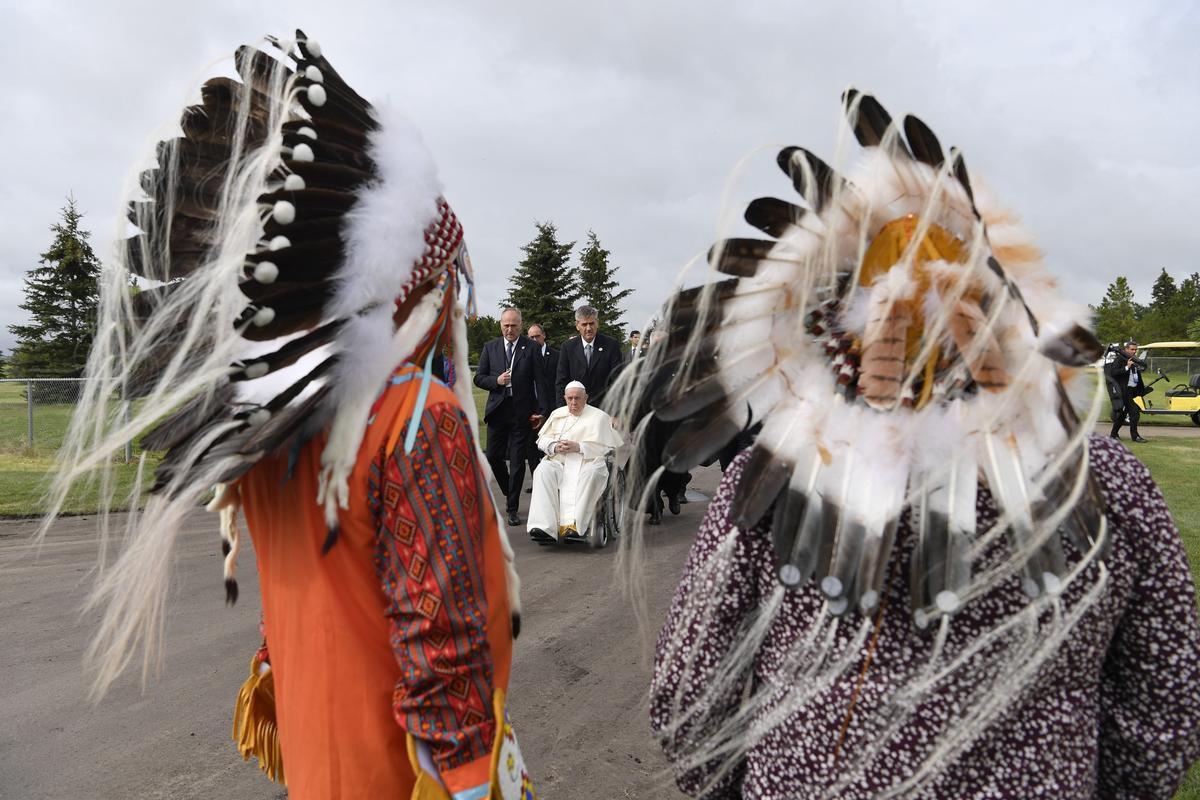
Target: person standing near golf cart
1123 375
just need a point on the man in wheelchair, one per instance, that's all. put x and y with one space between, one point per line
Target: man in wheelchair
569 482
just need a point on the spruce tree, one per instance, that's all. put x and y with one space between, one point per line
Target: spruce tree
598 286
1187 304
1116 316
1171 309
543 287
479 331
1163 291
61 296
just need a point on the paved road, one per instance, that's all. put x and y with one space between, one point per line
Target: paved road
1152 431
578 693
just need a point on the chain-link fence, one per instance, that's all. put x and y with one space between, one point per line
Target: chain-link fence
35 412
1178 368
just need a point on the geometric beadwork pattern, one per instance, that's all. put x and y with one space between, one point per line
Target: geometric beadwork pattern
429 560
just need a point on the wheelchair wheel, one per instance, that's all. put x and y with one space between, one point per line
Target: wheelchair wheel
597 537
604 527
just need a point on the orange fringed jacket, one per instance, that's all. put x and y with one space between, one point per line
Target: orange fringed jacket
403 627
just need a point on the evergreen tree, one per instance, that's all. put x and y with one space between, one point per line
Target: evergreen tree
61 296
1187 306
479 331
543 288
1116 316
1163 291
1171 309
598 285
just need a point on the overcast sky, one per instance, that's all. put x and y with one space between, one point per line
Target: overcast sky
628 117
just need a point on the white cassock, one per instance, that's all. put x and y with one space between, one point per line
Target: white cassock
567 486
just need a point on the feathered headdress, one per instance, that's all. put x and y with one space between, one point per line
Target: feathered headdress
898 339
293 248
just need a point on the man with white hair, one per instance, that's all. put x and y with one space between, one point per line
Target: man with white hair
568 483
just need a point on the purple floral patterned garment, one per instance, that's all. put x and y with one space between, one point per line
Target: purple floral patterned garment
1114 714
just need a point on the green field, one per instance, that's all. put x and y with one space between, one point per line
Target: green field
24 469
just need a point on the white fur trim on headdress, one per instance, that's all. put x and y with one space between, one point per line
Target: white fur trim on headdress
384 236
384 232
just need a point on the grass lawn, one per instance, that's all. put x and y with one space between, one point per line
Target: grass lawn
1175 465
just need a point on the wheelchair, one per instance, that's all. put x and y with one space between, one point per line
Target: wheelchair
606 521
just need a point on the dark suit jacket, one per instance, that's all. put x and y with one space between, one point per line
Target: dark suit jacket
526 371
546 386
1117 377
596 376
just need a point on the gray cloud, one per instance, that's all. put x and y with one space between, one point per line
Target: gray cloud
627 118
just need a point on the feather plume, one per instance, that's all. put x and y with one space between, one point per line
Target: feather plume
883 350
972 336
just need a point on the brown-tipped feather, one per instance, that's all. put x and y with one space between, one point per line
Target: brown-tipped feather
765 475
303 262
321 175
883 350
923 143
968 327
279 430
197 413
1075 347
868 118
959 167
698 440
773 216
744 257
294 350
299 311
816 184
256 67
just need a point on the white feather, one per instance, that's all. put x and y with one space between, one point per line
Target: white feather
369 355
384 232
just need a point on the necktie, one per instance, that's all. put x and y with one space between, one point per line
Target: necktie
508 366
587 354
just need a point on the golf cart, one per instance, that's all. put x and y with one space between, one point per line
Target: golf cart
1182 398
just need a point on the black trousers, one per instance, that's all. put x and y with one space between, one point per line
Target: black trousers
532 454
508 440
1128 410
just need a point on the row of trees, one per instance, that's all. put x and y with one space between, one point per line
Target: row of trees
1172 315
61 296
547 289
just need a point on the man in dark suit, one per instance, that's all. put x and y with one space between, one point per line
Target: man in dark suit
591 358
1124 378
545 388
509 369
